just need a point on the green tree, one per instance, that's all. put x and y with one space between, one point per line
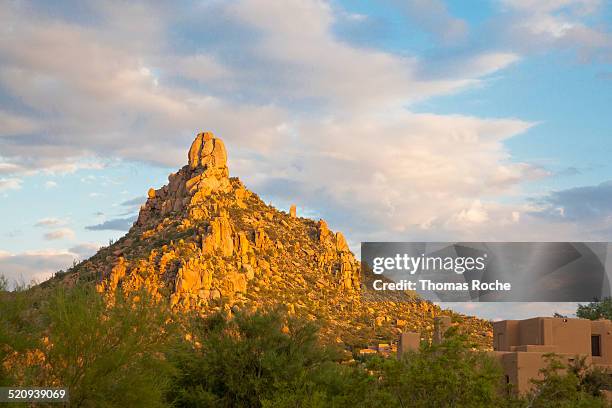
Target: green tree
560 387
106 355
254 361
451 374
596 310
332 385
592 379
20 328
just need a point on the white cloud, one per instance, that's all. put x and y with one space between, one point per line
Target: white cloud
111 93
556 24
110 96
475 214
84 250
11 124
61 233
296 63
8 168
38 266
10 183
299 103
23 268
549 6
200 67
401 172
72 166
50 184
50 222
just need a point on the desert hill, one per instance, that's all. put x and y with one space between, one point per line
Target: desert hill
206 243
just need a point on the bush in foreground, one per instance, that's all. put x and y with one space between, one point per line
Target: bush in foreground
106 355
260 360
564 386
134 352
450 374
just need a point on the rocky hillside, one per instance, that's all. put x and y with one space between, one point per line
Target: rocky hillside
207 243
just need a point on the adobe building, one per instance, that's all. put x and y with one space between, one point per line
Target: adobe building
520 345
411 341
408 341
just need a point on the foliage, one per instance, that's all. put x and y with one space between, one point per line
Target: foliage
129 351
3 283
255 360
596 310
450 374
105 355
561 387
592 380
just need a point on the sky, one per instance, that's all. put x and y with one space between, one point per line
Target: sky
392 120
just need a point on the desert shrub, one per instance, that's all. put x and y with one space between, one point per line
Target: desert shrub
130 353
250 361
335 386
592 380
242 361
561 387
110 356
20 321
4 283
450 374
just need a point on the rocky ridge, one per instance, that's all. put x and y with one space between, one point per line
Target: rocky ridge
208 244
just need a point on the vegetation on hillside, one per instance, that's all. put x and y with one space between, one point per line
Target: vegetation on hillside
134 352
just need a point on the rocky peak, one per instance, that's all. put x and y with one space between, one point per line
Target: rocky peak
207 244
207 152
230 239
205 173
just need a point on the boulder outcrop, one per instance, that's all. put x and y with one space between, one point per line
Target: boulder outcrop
208 244
205 173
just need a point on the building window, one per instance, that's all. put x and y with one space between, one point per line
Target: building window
596 345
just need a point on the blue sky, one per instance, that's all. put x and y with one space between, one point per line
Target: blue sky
393 120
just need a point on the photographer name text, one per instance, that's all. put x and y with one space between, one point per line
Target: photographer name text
428 285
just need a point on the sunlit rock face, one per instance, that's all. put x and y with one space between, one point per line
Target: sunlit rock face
208 244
